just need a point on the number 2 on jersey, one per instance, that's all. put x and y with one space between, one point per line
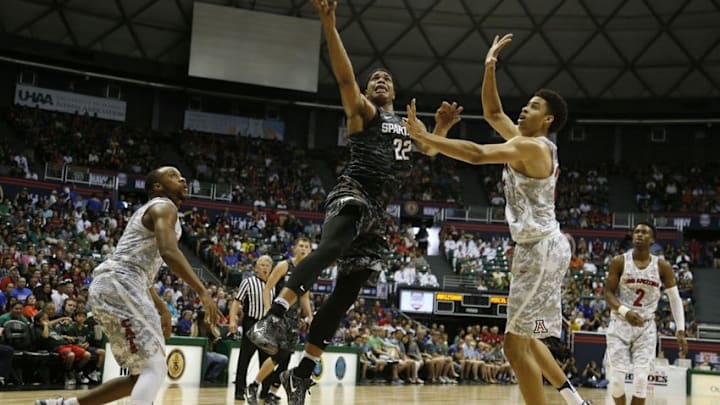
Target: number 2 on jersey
402 148
638 300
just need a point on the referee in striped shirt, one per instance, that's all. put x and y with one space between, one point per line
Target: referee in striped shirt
249 305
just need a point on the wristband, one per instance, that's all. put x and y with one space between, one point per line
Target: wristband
623 310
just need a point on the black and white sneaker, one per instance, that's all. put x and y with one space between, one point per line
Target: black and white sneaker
272 399
269 333
56 401
586 402
295 387
251 392
82 378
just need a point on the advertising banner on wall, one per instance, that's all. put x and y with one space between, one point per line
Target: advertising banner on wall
225 124
71 103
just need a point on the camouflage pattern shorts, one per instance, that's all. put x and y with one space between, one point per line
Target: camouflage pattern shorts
125 310
538 269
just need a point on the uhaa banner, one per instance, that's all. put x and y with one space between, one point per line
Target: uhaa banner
71 103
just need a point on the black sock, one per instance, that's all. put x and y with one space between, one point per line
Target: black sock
566 384
305 368
277 309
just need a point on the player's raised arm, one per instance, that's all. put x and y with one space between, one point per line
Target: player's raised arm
518 149
492 107
357 108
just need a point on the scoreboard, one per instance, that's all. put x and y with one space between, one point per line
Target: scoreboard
481 304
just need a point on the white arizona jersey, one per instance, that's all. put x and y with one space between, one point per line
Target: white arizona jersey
530 207
137 250
639 289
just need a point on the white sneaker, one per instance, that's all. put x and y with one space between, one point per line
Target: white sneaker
70 378
82 378
57 401
94 375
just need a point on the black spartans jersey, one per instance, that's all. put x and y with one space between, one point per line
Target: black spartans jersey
381 157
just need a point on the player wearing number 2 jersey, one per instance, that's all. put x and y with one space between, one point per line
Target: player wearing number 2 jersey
633 291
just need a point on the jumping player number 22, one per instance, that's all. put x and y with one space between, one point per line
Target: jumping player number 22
402 148
638 300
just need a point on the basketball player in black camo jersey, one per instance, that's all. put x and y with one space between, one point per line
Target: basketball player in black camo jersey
354 228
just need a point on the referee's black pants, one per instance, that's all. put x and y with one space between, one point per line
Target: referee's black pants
247 349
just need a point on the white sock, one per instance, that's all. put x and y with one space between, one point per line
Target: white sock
71 401
150 380
311 357
570 395
282 301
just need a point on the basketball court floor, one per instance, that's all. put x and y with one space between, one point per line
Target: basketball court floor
367 395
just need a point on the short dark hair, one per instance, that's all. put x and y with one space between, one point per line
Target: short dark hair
301 239
649 225
150 180
557 107
378 69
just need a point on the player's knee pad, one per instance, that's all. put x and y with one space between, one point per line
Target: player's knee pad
617 384
640 382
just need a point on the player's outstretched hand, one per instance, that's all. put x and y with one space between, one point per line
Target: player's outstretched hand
682 344
446 116
326 10
497 45
416 129
212 313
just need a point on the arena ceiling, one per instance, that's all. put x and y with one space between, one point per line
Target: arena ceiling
583 48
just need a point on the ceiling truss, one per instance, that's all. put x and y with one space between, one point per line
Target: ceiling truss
582 48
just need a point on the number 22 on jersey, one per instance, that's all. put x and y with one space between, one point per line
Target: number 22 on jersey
402 148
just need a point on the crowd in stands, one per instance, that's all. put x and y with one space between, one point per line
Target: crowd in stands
469 254
49 245
83 140
230 243
14 164
668 188
278 174
262 173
